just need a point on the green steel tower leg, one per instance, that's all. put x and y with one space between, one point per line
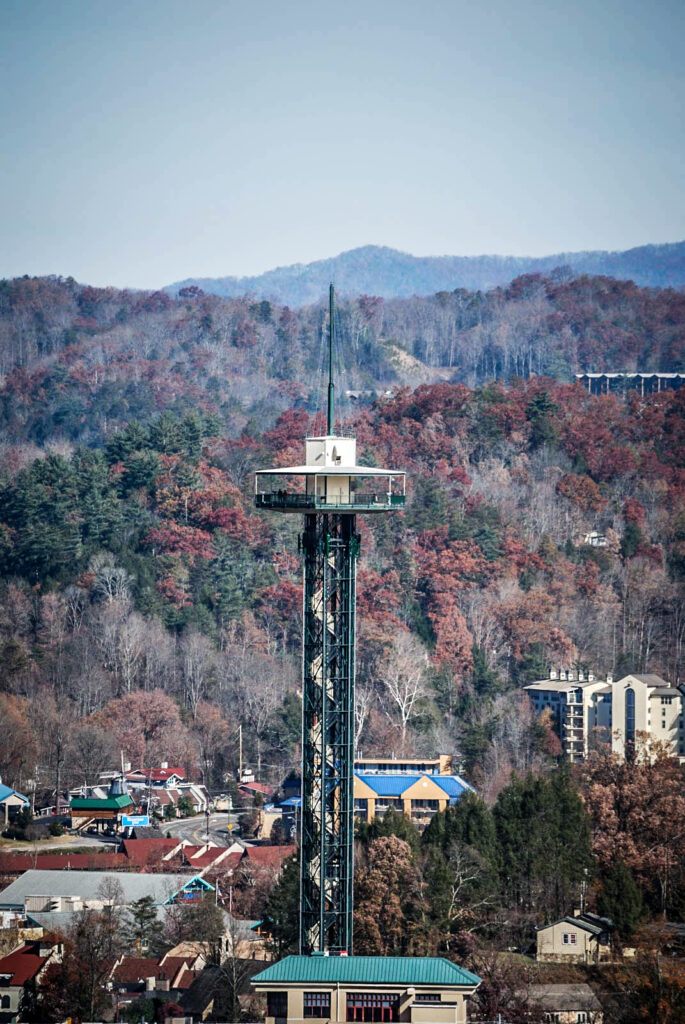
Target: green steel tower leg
331 545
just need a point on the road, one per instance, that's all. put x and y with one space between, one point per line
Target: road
195 829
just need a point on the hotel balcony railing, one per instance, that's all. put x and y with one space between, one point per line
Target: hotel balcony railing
365 501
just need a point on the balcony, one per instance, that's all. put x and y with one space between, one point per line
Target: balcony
359 501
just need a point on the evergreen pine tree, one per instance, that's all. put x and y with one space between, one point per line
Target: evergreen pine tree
143 931
620 899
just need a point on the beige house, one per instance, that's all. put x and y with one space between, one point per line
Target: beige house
585 938
415 990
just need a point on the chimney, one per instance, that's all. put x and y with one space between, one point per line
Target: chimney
610 679
164 764
581 677
552 673
571 675
590 677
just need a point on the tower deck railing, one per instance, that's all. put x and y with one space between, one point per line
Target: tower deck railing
359 501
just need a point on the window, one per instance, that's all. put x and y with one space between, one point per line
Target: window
373 1006
427 997
581 1017
5 1002
667 700
569 938
630 716
277 1004
317 1004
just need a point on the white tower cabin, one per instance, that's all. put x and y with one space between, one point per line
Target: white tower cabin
330 481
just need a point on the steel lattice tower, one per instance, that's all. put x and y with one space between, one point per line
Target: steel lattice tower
330 500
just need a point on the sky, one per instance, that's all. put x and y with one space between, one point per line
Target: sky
146 141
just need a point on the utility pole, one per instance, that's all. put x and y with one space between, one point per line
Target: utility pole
240 754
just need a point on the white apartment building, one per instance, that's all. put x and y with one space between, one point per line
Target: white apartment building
568 695
637 710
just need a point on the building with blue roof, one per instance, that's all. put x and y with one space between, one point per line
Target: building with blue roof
11 802
417 795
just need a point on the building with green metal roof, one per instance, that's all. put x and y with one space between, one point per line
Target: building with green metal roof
411 989
108 803
103 812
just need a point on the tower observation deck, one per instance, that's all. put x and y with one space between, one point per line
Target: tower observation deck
329 489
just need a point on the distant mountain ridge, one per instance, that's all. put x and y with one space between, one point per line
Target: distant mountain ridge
378 270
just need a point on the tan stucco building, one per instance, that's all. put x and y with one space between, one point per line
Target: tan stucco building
645 712
414 990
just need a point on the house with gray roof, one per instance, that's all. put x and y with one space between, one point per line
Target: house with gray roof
583 938
62 891
566 1004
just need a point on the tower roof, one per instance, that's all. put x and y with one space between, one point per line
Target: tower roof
378 970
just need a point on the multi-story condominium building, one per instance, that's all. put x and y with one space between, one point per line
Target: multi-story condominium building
642 711
638 711
568 695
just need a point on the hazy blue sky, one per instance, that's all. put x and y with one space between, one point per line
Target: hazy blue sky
148 141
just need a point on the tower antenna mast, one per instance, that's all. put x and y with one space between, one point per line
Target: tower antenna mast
331 338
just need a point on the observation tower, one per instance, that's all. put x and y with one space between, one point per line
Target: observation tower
329 489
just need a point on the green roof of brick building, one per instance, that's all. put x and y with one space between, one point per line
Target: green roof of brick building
366 970
109 803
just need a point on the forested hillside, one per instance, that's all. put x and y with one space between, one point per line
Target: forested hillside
377 270
139 580
79 362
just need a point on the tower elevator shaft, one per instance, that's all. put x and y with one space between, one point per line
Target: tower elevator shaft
330 544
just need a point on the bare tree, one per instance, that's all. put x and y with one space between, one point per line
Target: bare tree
404 678
111 582
91 751
363 699
198 666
